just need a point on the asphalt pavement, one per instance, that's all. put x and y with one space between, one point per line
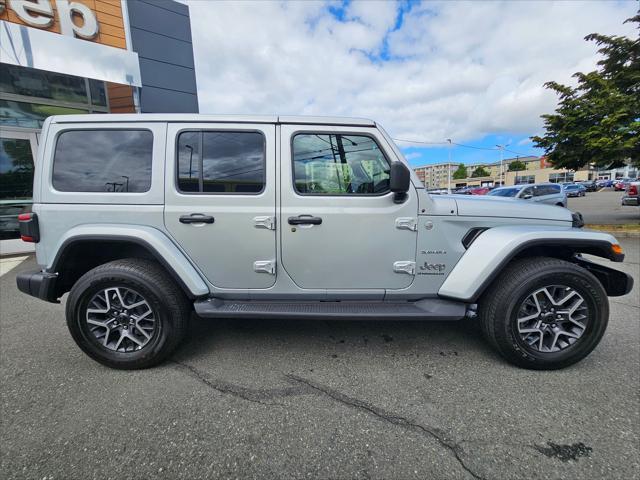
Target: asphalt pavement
603 208
287 399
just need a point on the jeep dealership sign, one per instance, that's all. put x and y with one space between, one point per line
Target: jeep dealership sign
40 14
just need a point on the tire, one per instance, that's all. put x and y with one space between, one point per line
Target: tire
134 338
512 297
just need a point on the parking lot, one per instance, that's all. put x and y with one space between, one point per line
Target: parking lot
287 399
603 208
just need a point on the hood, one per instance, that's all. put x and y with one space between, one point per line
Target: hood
488 206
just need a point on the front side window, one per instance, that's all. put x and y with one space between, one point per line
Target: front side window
339 164
221 162
113 161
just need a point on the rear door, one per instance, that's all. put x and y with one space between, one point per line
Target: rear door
341 229
220 200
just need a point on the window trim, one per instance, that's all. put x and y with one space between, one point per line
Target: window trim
328 132
200 182
120 129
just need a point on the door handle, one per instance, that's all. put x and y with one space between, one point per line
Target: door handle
305 220
196 218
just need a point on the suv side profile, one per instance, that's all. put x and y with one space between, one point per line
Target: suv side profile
549 193
147 219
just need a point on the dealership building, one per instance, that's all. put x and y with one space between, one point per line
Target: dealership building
83 56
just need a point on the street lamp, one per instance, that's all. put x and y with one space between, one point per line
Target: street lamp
449 168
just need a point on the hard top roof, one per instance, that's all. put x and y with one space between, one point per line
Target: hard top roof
197 118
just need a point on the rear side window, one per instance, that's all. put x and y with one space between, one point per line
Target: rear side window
221 162
339 164
113 161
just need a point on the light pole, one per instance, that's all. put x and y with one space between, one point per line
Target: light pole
501 148
449 168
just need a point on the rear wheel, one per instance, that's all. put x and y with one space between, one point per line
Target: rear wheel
544 313
127 314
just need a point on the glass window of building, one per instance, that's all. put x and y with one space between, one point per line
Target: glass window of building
16 183
28 96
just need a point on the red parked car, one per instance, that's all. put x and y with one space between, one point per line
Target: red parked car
480 190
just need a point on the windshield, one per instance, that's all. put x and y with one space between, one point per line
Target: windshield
504 192
571 187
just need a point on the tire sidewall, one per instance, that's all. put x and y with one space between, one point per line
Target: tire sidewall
77 303
591 292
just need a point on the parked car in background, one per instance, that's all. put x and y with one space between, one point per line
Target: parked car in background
590 185
604 183
550 193
480 190
631 196
574 190
621 184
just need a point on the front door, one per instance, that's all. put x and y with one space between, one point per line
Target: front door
220 200
17 153
341 229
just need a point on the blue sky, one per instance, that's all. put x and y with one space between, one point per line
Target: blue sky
427 71
480 150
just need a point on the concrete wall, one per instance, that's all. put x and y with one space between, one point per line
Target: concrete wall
161 35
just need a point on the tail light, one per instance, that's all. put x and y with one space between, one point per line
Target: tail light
633 190
29 229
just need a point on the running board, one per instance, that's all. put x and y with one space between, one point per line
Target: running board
428 309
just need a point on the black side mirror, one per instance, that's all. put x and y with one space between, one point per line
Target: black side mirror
399 181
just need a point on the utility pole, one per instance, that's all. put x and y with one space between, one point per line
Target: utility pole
449 168
501 148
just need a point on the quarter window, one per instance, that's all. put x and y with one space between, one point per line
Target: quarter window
221 162
339 164
114 161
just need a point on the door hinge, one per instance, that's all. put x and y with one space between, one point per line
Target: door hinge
405 266
265 266
407 223
265 221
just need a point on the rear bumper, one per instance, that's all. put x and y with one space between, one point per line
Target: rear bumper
38 284
632 201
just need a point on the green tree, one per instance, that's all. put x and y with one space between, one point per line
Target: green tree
517 165
460 173
598 120
480 172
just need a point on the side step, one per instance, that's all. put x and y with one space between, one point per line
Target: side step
428 309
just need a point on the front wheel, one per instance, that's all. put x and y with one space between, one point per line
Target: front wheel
127 314
544 313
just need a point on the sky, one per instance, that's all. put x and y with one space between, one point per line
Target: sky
472 72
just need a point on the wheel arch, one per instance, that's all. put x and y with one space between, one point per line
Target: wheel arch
82 251
497 247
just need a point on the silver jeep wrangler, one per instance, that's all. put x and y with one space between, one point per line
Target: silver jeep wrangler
146 218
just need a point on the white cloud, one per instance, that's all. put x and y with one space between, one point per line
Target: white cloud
456 70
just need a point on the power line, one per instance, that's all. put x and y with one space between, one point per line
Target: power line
493 149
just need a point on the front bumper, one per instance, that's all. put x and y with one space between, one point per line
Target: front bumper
630 201
38 284
615 282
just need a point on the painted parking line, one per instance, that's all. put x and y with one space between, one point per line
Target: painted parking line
9 263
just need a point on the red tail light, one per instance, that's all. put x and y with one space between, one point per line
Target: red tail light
633 190
29 229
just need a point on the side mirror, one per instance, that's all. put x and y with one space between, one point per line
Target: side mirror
399 181
528 196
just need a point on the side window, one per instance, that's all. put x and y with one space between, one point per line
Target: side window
339 164
539 191
526 191
114 161
221 162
